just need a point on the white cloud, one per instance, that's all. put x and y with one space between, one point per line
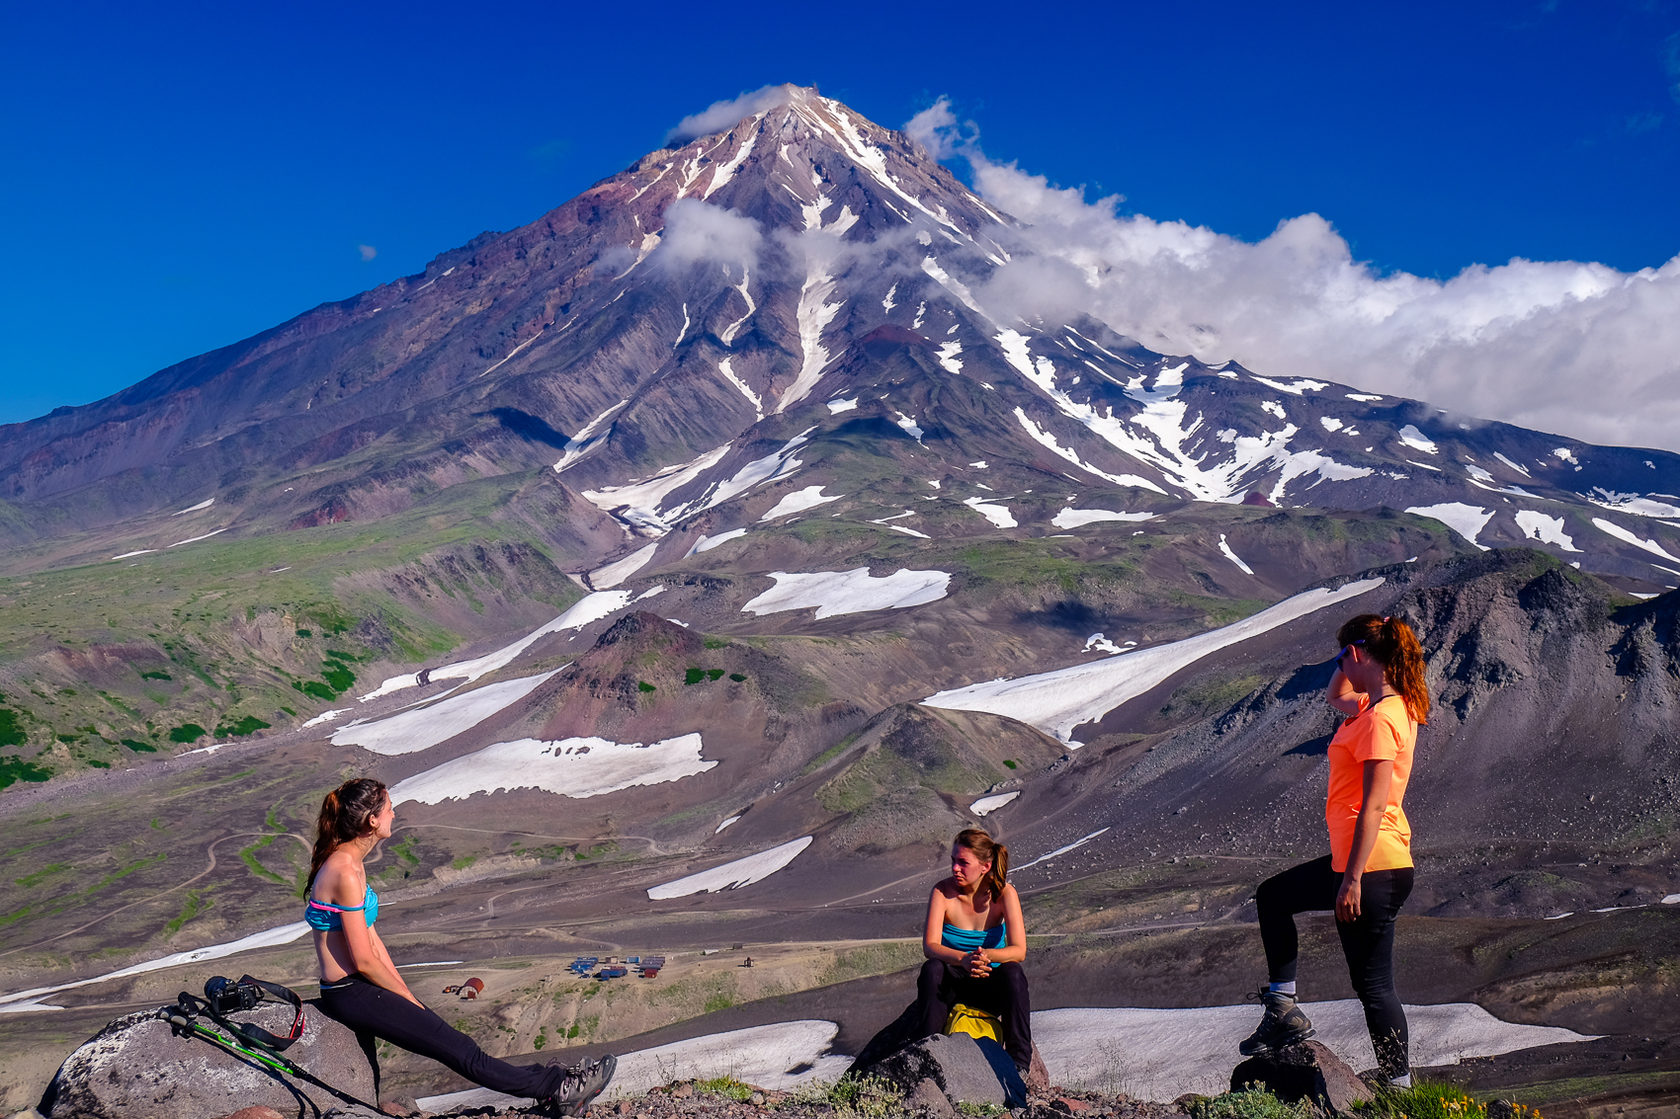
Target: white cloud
368 251
1560 346
721 114
697 232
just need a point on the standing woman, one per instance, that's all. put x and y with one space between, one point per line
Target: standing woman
360 986
1379 685
974 940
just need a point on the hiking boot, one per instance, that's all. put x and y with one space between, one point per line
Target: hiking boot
1283 1024
581 1085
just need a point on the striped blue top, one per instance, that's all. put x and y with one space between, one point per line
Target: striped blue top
967 940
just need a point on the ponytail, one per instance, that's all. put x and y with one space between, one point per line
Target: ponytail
1395 646
986 850
344 815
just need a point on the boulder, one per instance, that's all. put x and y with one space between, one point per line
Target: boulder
1307 1071
964 1069
139 1067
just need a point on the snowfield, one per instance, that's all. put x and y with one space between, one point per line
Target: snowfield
612 574
571 767
999 515
992 803
1466 520
1074 518
732 875
850 592
1058 701
1152 1054
589 608
268 938
800 500
1162 1054
420 728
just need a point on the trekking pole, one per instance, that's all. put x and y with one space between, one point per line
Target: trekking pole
183 1017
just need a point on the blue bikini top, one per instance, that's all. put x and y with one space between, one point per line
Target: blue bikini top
324 916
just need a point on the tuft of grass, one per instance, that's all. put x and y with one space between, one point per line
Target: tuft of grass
187 732
1427 1099
644 686
1251 1102
16 769
726 1087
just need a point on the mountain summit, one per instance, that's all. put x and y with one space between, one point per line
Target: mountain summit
663 341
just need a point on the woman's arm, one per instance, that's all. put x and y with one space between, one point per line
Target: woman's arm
346 885
1341 694
1378 776
933 933
1014 949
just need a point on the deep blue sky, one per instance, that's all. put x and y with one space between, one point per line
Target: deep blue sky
176 177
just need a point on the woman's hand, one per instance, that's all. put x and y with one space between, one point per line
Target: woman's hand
1347 900
979 964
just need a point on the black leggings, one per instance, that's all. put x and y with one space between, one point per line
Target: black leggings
941 986
371 1009
1368 943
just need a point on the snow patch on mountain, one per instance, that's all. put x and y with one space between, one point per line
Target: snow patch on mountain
421 728
707 543
571 767
797 502
734 874
585 440
1056 702
1611 528
1466 520
998 514
1297 387
1233 557
849 592
1070 517
1546 530
612 574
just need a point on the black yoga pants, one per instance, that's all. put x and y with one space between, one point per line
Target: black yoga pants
942 986
370 1009
1368 943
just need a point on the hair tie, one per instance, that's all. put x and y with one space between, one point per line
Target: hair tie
1385 619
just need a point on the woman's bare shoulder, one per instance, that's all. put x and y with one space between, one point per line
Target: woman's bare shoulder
340 876
945 888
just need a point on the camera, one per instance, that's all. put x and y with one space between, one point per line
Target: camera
225 996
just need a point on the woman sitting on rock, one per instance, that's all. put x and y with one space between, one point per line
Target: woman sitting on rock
1379 685
974 941
359 984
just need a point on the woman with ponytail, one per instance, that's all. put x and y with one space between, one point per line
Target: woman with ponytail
974 941
360 986
1379 685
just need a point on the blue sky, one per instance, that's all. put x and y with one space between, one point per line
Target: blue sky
182 176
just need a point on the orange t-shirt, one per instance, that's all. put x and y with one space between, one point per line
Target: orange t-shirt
1381 731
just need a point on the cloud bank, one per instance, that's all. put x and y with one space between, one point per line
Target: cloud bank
1575 348
722 114
697 232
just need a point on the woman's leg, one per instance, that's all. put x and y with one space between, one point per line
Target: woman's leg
1368 944
1010 980
936 994
363 1006
1306 888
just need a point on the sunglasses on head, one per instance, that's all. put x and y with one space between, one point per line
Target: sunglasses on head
1346 649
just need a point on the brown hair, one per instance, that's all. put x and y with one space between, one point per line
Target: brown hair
1394 645
344 816
980 842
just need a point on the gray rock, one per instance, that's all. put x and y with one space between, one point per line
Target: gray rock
1307 1071
965 1070
138 1067
926 1096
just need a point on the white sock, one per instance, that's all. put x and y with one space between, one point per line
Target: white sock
1401 1081
1283 988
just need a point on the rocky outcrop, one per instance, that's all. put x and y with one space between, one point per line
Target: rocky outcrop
1307 1071
963 1069
139 1067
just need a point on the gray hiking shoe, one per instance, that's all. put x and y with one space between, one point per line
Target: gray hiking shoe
1283 1024
582 1084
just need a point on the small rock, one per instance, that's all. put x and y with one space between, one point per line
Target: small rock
684 1090
756 1099
400 1107
927 1097
1502 1109
1070 1106
624 1107
256 1112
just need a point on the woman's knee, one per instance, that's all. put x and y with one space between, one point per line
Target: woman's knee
932 975
1012 974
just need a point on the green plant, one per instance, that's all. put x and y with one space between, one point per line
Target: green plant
694 676
540 1040
871 1097
1252 1102
725 1086
644 686
188 732
738 677
1430 1099
980 1110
